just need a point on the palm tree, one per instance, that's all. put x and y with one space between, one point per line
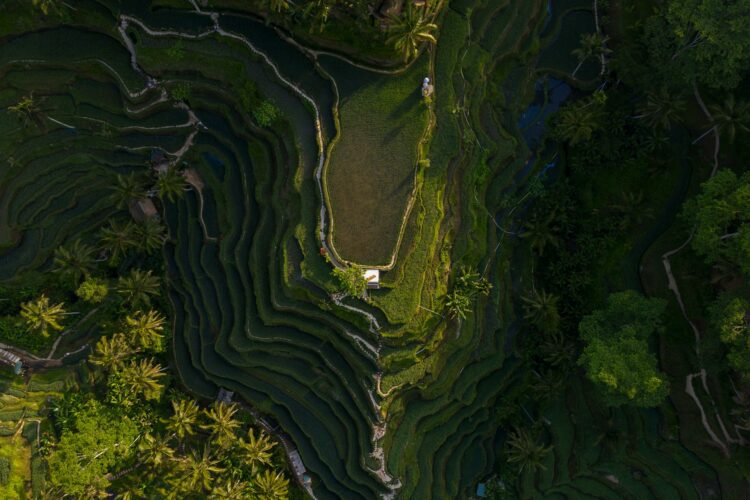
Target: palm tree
128 188
409 30
222 423
316 14
47 6
577 122
150 234
541 233
276 5
198 470
631 209
557 350
271 485
524 451
155 450
142 377
458 303
182 423
138 287
145 328
731 116
118 239
27 110
662 109
592 45
74 261
473 282
40 315
171 184
231 489
540 308
257 450
111 352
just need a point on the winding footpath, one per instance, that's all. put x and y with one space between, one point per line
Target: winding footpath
722 444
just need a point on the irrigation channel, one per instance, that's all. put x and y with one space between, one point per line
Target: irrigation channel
382 397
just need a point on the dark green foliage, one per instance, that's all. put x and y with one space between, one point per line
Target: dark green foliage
4 471
266 113
729 319
617 357
181 92
721 215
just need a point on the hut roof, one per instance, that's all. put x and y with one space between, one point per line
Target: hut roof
142 209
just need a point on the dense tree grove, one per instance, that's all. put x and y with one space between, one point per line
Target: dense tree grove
617 355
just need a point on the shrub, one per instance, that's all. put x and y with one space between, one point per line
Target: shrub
176 51
181 92
351 280
4 471
266 113
92 290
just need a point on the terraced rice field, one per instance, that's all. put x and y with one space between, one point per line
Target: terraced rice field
381 398
371 172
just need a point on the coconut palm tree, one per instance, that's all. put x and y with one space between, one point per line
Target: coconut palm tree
731 116
541 233
40 315
271 485
232 489
182 423
458 303
631 209
524 451
577 122
145 328
198 469
557 350
138 287
540 308
662 108
276 5
48 6
74 261
155 450
221 423
171 184
473 282
111 352
128 188
315 13
257 450
150 234
142 377
27 110
118 239
409 30
592 45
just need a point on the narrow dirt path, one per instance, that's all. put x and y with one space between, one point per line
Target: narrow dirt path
674 287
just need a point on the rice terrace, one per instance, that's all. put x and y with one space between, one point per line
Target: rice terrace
398 249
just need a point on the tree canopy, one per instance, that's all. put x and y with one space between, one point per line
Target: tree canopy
617 358
729 318
711 38
721 214
99 439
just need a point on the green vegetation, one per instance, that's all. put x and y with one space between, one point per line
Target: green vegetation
350 280
189 195
616 356
370 176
